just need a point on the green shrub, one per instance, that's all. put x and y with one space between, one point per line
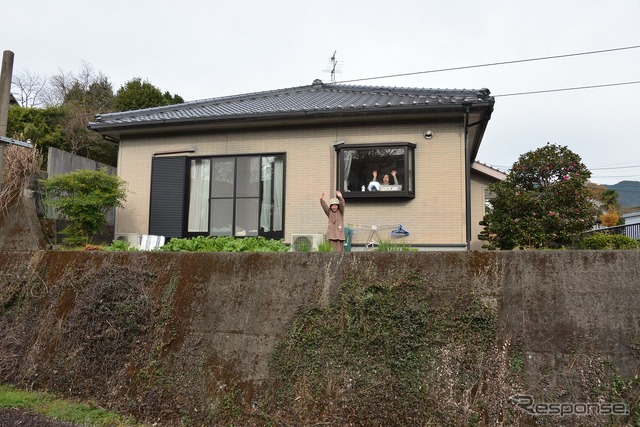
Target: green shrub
84 197
224 244
608 241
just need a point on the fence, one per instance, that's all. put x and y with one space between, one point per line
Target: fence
630 230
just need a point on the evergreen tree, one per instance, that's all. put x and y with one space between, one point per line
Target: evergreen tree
543 202
41 126
137 94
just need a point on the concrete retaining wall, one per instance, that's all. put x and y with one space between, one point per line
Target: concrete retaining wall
224 313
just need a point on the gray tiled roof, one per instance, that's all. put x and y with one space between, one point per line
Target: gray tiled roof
317 98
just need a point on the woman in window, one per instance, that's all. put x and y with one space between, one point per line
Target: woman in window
385 178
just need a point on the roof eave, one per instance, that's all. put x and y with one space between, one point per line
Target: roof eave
341 114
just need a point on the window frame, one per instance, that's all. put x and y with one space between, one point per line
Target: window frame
235 197
409 187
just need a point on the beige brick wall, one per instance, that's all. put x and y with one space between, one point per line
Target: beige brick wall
435 216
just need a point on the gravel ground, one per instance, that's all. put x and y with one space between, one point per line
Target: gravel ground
16 417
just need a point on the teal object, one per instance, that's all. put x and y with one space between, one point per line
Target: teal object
348 232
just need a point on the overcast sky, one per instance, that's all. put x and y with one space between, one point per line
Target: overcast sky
204 49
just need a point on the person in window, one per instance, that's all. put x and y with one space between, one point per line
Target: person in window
335 228
385 179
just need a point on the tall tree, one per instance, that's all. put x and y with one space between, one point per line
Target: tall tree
543 202
30 88
84 95
610 200
72 100
138 94
610 203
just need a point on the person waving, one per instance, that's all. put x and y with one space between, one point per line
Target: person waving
335 213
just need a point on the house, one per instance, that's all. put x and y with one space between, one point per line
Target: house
256 164
631 218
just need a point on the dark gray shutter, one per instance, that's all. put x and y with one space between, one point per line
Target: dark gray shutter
166 213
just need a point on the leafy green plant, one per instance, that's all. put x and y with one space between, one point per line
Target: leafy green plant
608 241
224 244
120 245
84 197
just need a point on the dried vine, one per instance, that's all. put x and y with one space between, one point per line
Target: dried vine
19 164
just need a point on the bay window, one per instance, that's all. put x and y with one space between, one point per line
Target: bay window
376 170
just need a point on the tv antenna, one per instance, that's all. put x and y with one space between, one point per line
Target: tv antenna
333 66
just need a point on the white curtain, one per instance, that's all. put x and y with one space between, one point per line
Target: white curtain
199 195
348 156
272 194
267 180
278 189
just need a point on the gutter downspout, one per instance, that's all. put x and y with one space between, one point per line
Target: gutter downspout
467 170
467 176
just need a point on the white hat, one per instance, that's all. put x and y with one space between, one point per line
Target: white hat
334 201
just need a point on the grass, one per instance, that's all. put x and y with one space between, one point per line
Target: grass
50 406
394 246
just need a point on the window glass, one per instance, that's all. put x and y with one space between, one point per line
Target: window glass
248 177
271 209
246 217
410 172
379 168
223 177
221 217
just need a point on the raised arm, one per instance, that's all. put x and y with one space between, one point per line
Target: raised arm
324 205
340 199
395 178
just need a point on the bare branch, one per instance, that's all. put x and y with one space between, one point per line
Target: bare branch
30 88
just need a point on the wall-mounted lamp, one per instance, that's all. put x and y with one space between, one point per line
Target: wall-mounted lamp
428 134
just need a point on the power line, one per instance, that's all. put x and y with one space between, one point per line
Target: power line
567 89
492 64
503 167
617 167
634 188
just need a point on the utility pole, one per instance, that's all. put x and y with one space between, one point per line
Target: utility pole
5 95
